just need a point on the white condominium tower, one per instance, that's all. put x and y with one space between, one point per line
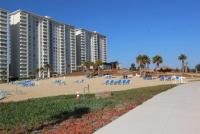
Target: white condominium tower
70 38
91 46
62 48
83 46
39 42
4 44
29 43
57 47
94 48
102 47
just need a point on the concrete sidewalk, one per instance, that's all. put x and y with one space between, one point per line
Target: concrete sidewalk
176 111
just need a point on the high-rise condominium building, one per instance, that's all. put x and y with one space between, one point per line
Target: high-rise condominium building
29 43
4 44
102 48
57 47
41 42
70 36
62 47
83 46
91 46
40 45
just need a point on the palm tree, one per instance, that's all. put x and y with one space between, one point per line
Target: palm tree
47 67
42 72
3 73
98 63
68 68
157 60
87 64
182 58
37 71
146 60
143 61
139 60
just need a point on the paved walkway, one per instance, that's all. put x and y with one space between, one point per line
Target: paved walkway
175 111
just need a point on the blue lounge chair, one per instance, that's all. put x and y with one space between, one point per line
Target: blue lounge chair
177 78
169 78
119 82
107 82
128 82
162 78
124 82
116 82
111 82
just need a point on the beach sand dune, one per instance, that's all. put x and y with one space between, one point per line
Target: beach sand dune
48 88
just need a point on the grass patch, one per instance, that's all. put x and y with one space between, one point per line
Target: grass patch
33 113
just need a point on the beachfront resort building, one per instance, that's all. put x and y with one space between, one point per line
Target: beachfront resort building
29 44
57 47
40 45
38 42
70 35
102 48
91 46
62 48
83 46
4 44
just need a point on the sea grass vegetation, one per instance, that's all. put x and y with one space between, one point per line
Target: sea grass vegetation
34 113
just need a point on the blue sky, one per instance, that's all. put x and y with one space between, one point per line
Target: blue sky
165 27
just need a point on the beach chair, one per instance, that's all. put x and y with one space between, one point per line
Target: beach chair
178 79
119 82
124 82
128 82
162 78
169 78
116 82
107 82
111 82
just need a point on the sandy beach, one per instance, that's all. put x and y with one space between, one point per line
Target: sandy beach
48 88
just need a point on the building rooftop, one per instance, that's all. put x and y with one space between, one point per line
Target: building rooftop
93 32
34 14
4 9
51 19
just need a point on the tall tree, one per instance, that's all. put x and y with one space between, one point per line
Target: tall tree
146 60
157 60
139 60
48 67
182 58
37 71
42 72
98 63
87 64
3 73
